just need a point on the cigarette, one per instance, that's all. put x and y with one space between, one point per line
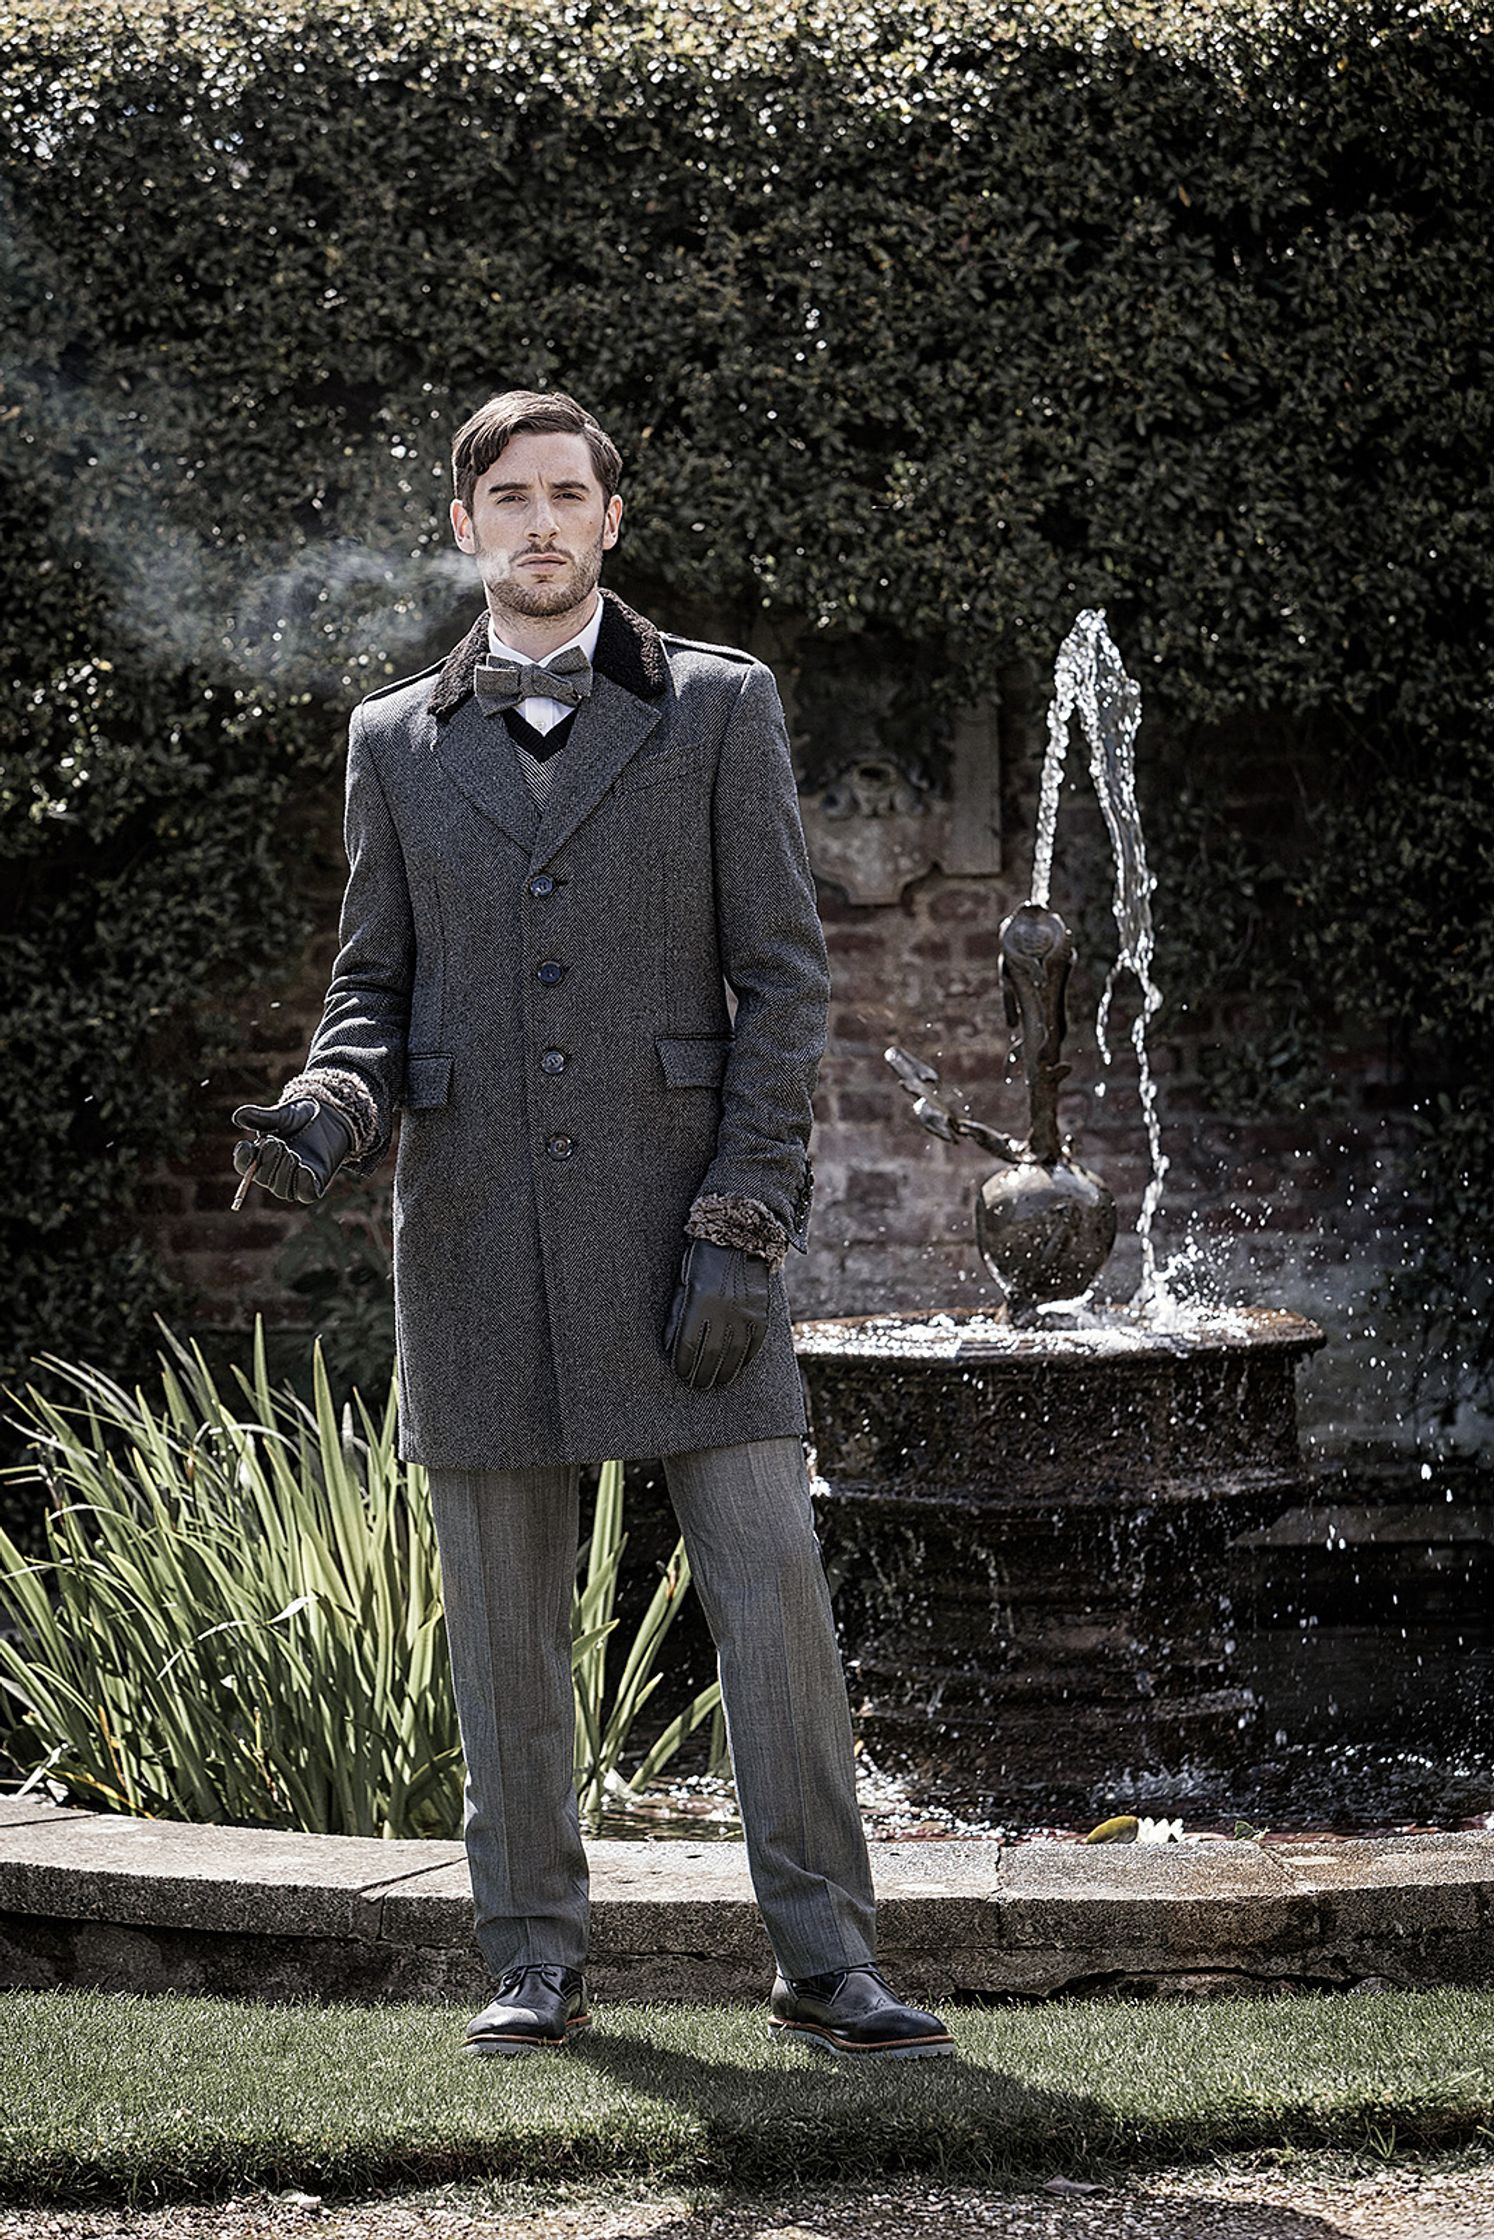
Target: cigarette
243 1189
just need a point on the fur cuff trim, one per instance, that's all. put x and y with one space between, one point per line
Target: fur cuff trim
348 1095
722 1217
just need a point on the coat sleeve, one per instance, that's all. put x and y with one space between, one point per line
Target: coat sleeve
758 1188
356 1061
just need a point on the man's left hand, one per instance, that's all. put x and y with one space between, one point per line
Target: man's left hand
720 1313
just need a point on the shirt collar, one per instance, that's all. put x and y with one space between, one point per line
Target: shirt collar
585 638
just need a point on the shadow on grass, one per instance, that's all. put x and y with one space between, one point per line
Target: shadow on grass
830 2117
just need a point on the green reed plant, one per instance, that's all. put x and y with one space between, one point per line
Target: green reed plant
239 1616
602 1732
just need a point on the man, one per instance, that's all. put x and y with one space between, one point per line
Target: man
564 842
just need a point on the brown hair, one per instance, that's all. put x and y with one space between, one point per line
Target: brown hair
526 412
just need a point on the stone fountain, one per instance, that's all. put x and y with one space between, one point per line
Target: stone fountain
1029 1514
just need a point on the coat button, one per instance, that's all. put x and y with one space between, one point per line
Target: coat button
550 972
541 884
561 1147
553 1061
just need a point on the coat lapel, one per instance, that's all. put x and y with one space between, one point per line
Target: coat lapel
630 680
475 750
486 768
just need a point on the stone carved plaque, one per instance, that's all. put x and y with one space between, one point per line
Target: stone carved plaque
891 786
874 826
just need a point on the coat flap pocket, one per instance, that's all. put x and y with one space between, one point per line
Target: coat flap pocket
427 1082
693 1061
665 766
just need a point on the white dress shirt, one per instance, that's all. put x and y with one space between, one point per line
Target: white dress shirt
539 710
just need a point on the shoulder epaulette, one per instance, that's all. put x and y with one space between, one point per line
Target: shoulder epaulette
703 645
381 691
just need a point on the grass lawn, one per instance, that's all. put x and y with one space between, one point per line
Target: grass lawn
132 2098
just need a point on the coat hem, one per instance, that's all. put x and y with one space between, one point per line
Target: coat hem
550 1460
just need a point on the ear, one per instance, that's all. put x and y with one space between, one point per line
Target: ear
612 522
461 525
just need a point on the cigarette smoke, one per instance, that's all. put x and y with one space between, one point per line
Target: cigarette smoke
197 573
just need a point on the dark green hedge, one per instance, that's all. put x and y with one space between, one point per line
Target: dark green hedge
948 318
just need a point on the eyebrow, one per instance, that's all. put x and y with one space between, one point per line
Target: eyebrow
565 482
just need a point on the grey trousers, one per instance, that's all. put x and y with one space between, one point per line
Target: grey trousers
508 1543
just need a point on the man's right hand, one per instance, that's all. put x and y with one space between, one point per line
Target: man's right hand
300 1146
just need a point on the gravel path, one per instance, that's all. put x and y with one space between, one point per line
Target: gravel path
1242 2201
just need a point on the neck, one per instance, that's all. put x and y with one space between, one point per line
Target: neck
539 634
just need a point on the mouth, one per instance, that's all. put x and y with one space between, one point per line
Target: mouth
542 560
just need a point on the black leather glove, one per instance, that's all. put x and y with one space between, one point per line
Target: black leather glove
301 1145
720 1313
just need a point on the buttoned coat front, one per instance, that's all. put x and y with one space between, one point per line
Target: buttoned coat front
543 997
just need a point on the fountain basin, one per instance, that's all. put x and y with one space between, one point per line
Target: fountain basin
962 1402
1029 1535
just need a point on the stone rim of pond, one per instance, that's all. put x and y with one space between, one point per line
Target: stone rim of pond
149 1905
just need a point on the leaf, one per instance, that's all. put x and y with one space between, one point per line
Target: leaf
1123 1828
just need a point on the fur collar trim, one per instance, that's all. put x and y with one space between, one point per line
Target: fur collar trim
629 651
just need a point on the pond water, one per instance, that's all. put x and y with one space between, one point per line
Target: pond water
1302 1790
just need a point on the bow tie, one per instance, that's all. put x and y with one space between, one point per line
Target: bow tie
503 684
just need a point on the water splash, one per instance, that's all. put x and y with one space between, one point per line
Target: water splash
1090 681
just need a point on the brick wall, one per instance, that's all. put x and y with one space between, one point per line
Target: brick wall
229 1258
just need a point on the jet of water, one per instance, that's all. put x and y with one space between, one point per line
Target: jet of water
1090 681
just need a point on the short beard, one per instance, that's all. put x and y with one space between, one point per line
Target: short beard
506 589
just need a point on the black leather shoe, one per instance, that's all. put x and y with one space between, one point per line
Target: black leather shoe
537 2005
851 2010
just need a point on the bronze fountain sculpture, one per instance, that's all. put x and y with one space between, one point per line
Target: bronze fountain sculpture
1044 1225
1045 1228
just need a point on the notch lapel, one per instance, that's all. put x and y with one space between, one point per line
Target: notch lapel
478 755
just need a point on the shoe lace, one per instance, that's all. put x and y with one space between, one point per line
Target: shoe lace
827 1985
553 1972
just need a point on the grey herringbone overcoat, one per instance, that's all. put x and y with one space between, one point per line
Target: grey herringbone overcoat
544 996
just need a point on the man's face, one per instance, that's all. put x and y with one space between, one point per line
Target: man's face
539 525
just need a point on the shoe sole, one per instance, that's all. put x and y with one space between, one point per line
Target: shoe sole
886 2049
509 2046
